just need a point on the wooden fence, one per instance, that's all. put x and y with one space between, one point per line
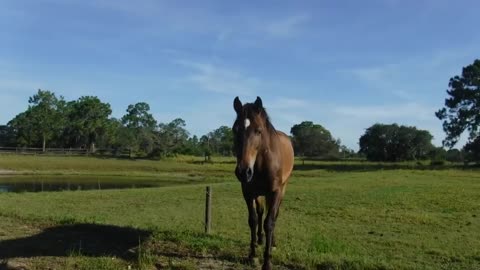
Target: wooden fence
62 151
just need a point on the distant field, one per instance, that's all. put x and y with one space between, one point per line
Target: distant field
220 166
28 164
338 215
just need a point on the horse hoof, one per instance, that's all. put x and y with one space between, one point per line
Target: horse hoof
267 266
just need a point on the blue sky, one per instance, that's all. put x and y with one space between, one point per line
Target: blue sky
343 64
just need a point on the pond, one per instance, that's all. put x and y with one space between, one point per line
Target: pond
73 183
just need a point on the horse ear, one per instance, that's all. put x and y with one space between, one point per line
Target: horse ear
237 105
258 103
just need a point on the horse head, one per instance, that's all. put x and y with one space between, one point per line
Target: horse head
251 135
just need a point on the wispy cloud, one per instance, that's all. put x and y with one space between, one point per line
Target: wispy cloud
286 27
218 79
404 77
371 74
387 112
223 35
386 78
287 103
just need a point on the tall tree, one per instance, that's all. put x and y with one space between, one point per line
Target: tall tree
346 152
88 119
138 116
311 140
45 115
462 106
140 128
23 129
472 150
7 136
454 155
395 143
205 146
192 147
220 141
108 137
172 136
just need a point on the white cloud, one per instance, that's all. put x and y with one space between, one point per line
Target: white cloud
286 27
371 74
213 78
224 35
287 103
381 112
387 78
403 79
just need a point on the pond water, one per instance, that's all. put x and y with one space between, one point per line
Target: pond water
73 183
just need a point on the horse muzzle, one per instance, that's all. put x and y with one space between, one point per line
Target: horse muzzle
244 175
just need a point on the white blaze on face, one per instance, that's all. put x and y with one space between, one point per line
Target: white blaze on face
247 123
252 162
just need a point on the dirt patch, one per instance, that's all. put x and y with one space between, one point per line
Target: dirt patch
164 262
27 246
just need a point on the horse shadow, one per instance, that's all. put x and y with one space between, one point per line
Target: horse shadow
91 240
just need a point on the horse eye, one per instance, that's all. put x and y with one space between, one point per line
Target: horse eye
258 131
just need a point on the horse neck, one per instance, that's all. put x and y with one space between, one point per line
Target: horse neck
269 151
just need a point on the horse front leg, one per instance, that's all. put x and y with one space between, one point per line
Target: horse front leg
260 206
252 222
273 202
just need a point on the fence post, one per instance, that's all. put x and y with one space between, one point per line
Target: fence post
208 210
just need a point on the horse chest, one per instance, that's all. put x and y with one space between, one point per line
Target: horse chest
259 186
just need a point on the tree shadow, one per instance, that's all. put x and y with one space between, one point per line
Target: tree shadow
86 239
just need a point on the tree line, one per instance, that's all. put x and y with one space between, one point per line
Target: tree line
51 121
87 123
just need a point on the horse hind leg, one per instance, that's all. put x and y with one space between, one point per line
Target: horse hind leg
269 226
260 207
274 243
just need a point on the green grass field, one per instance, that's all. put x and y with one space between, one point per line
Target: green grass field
335 216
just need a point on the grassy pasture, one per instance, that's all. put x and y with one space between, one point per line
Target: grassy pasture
335 216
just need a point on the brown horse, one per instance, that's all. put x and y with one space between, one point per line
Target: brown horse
264 164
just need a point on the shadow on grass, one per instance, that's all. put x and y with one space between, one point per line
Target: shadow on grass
367 166
94 240
85 239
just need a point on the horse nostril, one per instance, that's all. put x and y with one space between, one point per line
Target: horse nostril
249 174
